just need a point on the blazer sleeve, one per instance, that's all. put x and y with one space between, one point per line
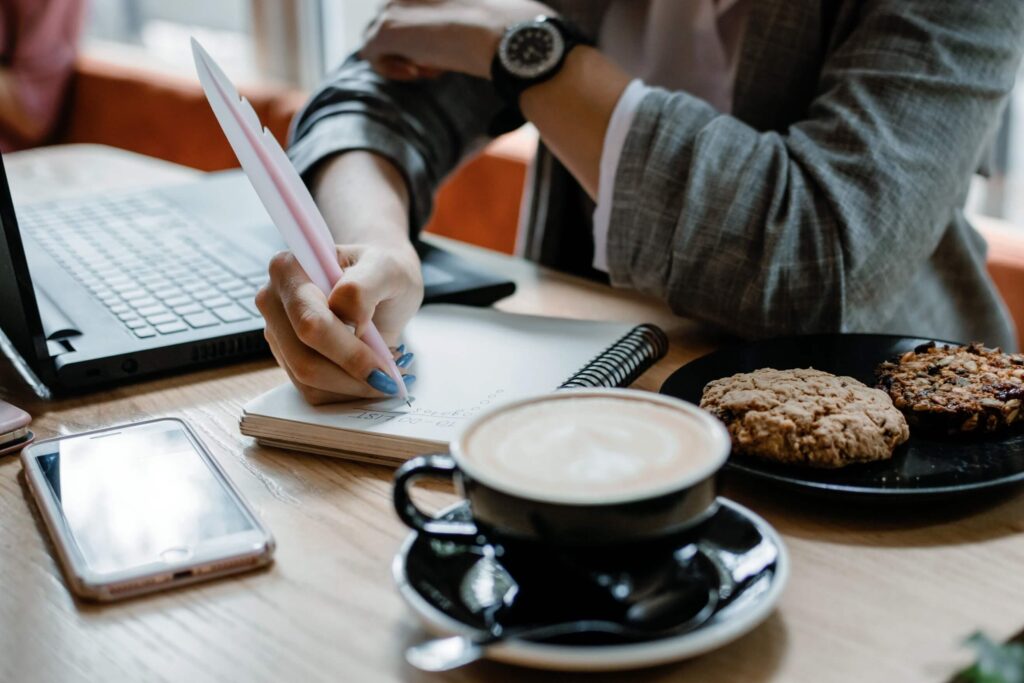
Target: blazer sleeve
425 128
808 228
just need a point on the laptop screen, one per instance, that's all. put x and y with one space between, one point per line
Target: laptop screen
19 314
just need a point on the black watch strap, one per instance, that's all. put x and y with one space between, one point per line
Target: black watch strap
510 87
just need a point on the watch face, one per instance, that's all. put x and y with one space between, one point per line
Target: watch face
531 49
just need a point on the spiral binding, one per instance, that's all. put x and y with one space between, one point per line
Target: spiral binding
623 362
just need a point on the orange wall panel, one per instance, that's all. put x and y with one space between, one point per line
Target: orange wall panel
480 203
154 114
1006 266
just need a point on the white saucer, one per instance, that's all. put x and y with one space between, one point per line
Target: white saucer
735 620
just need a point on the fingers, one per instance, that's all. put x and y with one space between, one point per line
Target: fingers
312 396
309 369
396 68
317 379
403 359
361 288
318 349
369 279
383 42
428 72
321 354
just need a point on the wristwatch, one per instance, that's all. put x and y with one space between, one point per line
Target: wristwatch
532 52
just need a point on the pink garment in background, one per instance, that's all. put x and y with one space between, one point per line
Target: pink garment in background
683 45
38 44
690 45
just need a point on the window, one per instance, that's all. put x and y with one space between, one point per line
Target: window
288 41
156 32
344 22
1001 195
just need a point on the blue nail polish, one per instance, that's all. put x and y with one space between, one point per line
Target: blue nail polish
408 379
382 383
404 361
400 350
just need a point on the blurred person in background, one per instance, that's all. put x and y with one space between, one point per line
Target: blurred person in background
38 45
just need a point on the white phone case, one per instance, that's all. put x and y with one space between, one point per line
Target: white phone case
218 557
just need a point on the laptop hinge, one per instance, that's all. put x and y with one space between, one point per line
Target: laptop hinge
57 326
58 346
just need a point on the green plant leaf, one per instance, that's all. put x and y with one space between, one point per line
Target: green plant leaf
996 663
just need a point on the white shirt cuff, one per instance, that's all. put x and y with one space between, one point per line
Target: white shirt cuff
614 141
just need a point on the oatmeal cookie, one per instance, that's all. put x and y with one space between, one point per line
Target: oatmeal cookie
806 417
956 389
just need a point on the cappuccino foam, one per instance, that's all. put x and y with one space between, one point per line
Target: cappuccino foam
591 449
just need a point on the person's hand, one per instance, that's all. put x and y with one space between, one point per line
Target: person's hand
316 338
412 39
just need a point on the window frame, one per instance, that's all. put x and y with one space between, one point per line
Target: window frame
299 41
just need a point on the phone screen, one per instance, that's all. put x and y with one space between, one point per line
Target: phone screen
131 497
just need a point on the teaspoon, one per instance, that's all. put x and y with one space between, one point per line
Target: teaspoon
445 654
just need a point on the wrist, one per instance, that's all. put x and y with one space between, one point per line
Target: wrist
363 198
577 73
573 110
406 254
531 53
490 40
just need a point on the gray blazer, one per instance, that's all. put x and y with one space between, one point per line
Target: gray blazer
830 200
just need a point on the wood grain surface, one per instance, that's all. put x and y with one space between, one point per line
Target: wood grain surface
876 594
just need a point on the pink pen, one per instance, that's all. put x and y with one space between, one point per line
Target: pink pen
285 196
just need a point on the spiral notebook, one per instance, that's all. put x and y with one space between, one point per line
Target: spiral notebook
467 360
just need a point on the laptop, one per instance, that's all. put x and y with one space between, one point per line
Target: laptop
109 288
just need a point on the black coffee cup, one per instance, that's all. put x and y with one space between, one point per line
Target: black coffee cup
506 512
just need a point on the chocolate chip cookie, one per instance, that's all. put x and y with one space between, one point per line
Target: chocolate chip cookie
806 417
956 389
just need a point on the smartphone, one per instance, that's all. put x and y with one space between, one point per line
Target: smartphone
140 508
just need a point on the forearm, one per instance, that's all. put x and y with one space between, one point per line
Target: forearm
424 128
573 109
756 230
364 199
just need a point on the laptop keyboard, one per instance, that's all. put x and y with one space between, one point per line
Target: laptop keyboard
148 262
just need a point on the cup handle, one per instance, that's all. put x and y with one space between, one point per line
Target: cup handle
441 467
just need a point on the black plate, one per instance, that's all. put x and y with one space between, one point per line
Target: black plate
447 577
924 467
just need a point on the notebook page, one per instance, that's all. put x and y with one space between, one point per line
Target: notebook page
467 360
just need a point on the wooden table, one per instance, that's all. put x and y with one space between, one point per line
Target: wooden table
875 594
